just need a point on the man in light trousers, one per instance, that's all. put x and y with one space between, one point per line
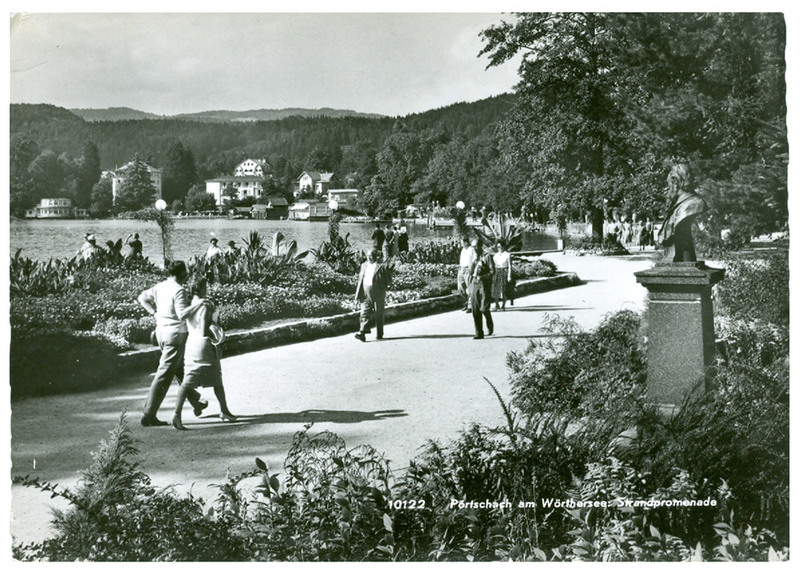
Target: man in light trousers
168 302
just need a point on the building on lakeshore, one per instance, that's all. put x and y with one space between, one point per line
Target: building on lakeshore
55 208
310 210
274 208
346 198
319 182
247 181
118 176
243 186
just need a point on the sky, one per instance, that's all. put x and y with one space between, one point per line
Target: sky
169 63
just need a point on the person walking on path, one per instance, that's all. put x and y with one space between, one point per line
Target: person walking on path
202 367
402 240
388 244
395 240
135 245
481 272
377 237
167 302
502 276
373 279
465 260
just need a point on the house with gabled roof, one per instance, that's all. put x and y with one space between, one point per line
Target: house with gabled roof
317 181
245 186
252 167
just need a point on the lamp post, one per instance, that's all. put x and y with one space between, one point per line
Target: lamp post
333 220
166 224
460 228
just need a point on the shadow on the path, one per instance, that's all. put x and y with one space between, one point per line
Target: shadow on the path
432 336
310 416
540 308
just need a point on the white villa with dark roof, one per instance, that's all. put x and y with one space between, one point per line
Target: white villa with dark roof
118 176
248 180
317 181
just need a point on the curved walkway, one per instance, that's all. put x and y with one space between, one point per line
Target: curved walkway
424 381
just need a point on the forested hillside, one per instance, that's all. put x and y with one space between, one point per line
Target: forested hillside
53 141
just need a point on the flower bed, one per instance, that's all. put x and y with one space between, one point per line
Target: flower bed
97 300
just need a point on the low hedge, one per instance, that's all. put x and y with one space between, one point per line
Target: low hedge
59 360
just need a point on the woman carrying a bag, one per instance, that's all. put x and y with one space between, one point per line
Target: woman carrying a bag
202 366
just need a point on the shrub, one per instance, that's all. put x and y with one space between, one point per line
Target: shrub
332 505
579 374
116 515
535 269
432 252
756 289
129 330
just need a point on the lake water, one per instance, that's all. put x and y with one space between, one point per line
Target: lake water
45 239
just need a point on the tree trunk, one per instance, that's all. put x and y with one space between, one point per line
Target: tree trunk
597 224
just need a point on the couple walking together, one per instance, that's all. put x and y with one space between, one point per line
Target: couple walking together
186 333
482 278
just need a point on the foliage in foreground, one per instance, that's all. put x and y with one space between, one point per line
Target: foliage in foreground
115 514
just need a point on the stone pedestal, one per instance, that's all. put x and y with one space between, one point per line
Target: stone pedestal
680 329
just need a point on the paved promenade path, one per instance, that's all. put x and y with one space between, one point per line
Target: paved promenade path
424 381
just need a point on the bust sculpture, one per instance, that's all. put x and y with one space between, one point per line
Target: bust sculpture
684 206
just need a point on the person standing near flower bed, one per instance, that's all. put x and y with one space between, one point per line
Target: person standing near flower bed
167 302
502 276
388 244
373 279
378 236
135 245
202 367
481 272
402 240
465 260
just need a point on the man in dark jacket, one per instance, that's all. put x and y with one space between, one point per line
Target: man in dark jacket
481 273
373 279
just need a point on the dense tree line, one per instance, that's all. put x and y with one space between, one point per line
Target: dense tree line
605 103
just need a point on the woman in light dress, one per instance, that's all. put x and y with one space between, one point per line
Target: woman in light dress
202 366
502 276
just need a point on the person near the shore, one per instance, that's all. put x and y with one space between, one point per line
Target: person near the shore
212 257
214 251
373 280
202 366
465 259
168 303
388 244
89 249
378 236
402 240
502 276
135 245
648 226
232 248
481 272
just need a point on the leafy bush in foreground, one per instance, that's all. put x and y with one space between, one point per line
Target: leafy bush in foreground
116 515
755 289
582 374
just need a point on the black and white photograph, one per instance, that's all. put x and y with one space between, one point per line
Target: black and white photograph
356 284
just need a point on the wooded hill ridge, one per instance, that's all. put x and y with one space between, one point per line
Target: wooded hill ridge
219 144
122 113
